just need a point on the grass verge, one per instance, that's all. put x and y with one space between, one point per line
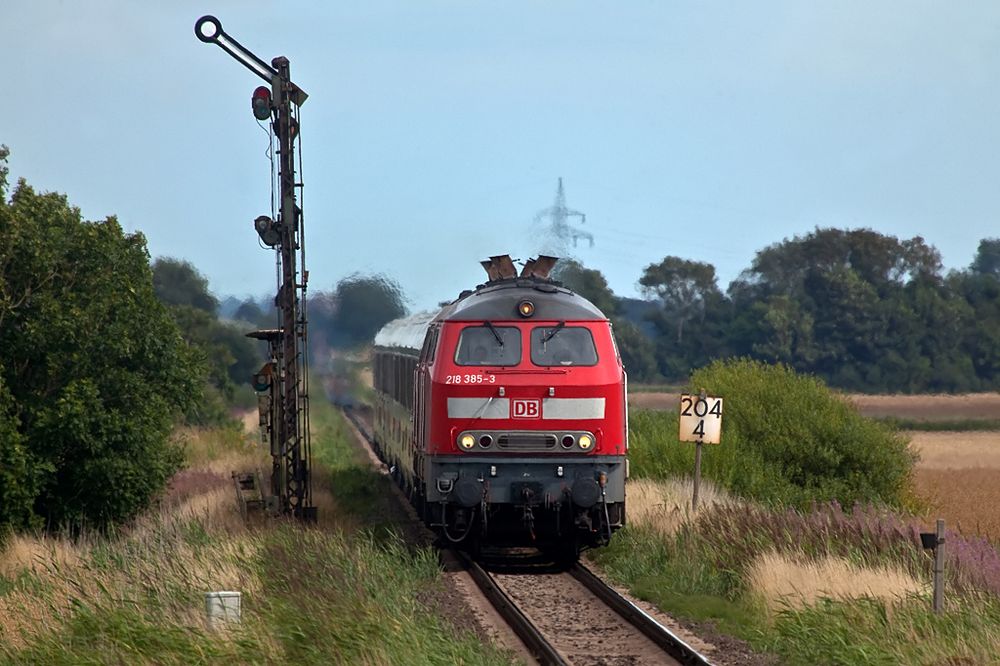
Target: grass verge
345 592
810 587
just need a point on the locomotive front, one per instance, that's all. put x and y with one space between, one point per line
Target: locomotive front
525 433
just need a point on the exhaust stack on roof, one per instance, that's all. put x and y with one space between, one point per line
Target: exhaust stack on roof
539 268
501 267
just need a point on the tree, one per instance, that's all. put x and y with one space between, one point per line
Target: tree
637 351
683 287
229 356
94 369
177 282
362 305
250 312
864 310
877 259
589 283
4 154
17 485
987 261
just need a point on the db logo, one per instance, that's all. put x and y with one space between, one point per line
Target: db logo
527 409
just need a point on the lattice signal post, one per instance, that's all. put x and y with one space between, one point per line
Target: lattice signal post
285 378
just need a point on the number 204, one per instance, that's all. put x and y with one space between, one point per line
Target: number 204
699 407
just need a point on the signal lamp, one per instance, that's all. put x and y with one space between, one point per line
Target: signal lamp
526 308
466 441
585 442
267 230
261 103
261 381
568 441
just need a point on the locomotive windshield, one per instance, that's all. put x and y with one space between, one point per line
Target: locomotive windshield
562 345
489 345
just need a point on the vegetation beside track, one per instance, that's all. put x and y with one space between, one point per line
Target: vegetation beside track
340 592
774 560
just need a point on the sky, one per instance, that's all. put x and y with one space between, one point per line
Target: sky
434 131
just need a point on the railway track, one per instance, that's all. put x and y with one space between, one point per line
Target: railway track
566 616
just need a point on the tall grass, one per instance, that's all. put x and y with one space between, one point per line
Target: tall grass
334 593
815 586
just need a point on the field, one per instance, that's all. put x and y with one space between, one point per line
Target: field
957 438
959 476
916 408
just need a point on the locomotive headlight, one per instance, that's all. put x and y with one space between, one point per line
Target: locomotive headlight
526 308
585 442
466 441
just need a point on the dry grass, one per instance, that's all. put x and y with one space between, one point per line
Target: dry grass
917 407
967 499
957 450
660 401
782 580
664 505
153 561
160 555
936 407
959 477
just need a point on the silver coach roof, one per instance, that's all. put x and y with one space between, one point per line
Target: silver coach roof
406 332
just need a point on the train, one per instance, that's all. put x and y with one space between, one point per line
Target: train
503 414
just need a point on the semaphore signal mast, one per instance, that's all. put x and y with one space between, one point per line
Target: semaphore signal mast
283 382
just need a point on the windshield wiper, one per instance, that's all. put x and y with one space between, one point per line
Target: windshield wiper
493 330
553 332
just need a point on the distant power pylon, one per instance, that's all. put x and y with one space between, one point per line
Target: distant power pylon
559 232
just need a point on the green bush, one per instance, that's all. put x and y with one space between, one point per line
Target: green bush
786 439
93 370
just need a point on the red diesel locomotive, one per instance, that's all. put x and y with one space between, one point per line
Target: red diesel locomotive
504 414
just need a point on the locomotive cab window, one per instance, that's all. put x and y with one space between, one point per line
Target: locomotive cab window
562 345
489 345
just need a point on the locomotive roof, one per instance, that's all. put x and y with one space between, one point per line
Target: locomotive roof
498 300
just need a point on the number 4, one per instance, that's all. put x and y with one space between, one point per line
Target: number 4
699 429
716 409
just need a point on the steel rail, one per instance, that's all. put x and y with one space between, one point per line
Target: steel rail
540 648
665 639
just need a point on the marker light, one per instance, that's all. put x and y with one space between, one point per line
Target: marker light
526 308
261 103
467 441
585 442
267 230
